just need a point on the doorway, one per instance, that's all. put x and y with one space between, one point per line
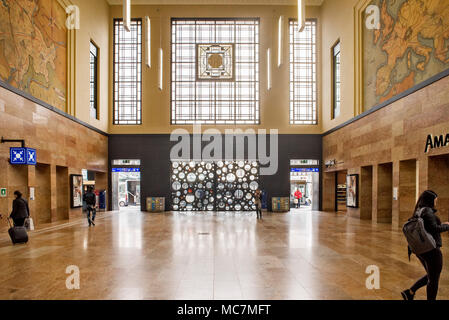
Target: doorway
125 189
304 183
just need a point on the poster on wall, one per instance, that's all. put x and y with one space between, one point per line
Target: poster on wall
76 190
352 189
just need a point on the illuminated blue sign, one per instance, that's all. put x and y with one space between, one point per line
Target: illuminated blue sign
17 155
305 170
31 156
125 169
22 156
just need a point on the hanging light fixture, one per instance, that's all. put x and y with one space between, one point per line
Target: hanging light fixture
148 42
280 39
301 15
161 66
127 15
268 69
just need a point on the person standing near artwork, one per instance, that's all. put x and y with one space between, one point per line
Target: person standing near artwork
258 203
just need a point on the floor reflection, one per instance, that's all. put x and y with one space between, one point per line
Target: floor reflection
137 255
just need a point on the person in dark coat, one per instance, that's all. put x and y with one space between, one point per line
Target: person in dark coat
91 201
432 260
20 210
258 204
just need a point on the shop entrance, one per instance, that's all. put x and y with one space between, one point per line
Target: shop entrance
305 184
125 188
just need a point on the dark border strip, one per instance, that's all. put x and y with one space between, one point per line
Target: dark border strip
50 107
404 94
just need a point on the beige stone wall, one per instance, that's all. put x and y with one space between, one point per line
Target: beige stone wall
394 139
59 142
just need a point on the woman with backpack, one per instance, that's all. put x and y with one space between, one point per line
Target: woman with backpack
432 260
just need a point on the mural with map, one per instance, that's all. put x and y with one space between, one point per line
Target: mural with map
411 46
33 48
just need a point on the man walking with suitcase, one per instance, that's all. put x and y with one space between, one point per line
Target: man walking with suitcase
20 210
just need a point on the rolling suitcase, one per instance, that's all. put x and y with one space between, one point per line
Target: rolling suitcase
17 234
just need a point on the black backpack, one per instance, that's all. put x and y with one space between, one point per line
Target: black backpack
419 240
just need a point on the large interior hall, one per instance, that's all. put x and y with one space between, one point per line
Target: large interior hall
223 149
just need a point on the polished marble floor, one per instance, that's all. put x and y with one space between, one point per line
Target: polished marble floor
135 255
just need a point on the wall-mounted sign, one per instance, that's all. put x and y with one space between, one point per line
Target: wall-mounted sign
76 190
125 169
3 192
435 142
304 162
32 197
22 156
305 170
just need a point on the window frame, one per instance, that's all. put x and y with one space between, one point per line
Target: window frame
257 95
334 114
315 83
139 120
96 80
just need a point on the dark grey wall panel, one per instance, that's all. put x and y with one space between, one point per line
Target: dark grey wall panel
154 152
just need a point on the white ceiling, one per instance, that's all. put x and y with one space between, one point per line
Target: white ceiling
218 2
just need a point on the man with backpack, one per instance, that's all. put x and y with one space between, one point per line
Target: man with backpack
91 200
424 240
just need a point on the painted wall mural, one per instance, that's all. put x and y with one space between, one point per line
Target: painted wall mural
33 48
411 46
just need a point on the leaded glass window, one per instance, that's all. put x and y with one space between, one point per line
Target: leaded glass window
215 71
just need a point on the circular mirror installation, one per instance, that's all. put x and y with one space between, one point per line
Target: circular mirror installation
191 177
238 194
222 185
190 198
176 185
230 177
240 173
199 194
254 185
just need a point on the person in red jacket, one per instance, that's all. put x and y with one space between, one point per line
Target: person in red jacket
298 197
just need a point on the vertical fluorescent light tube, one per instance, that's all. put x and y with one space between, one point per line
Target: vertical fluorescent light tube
280 40
148 42
268 69
301 15
127 15
161 72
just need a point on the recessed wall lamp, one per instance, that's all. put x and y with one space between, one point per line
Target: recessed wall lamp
161 67
280 39
330 163
127 15
268 69
301 15
148 42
